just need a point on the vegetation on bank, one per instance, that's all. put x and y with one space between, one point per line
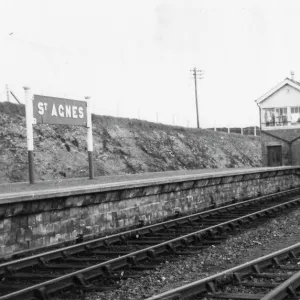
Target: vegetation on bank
121 146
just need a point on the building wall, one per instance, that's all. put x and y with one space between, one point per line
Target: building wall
267 140
286 96
296 153
290 152
44 220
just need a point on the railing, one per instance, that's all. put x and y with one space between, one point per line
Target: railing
252 130
280 124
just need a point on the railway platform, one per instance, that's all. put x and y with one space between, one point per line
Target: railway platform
51 212
25 191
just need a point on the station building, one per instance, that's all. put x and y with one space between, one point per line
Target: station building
279 111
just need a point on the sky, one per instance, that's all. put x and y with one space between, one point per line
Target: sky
134 57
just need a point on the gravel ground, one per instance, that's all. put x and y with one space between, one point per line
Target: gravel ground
237 249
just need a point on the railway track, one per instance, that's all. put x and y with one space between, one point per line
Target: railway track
98 264
275 276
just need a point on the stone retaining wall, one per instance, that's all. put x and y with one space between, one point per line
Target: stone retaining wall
36 221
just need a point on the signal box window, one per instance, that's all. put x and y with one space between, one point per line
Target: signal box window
295 115
269 116
281 116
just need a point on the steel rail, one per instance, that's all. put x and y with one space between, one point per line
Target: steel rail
78 278
104 241
285 289
208 284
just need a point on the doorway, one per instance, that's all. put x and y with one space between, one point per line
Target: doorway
274 156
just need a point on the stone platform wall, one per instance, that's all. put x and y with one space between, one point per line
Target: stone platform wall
41 220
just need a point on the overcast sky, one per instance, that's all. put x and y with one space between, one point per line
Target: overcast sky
134 57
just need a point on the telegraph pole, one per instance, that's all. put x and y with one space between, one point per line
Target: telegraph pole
7 93
196 73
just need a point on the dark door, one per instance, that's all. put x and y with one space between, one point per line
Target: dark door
274 156
295 154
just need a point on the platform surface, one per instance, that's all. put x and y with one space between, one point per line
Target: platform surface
26 191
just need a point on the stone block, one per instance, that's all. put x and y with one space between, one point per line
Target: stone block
88 199
22 221
89 221
214 181
100 219
46 241
20 235
20 246
45 205
201 183
57 227
84 212
39 218
153 190
14 209
108 217
87 230
46 217
34 205
37 243
2 211
74 234
15 223
73 201
99 198
104 207
131 193
74 212
50 229
120 223
56 216
92 210
53 240
28 235
186 185
82 223
12 238
8 249
39 231
4 238
60 203
70 225
167 188
113 196
7 225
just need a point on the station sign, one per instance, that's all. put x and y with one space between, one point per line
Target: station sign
52 110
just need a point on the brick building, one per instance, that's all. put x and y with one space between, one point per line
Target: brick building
280 124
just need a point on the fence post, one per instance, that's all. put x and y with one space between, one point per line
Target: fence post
242 131
228 129
29 132
90 136
254 130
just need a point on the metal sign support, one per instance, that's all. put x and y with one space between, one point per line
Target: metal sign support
29 121
90 137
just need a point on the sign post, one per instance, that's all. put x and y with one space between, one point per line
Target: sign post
50 110
29 121
89 136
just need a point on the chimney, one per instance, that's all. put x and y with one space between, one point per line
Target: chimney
292 75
